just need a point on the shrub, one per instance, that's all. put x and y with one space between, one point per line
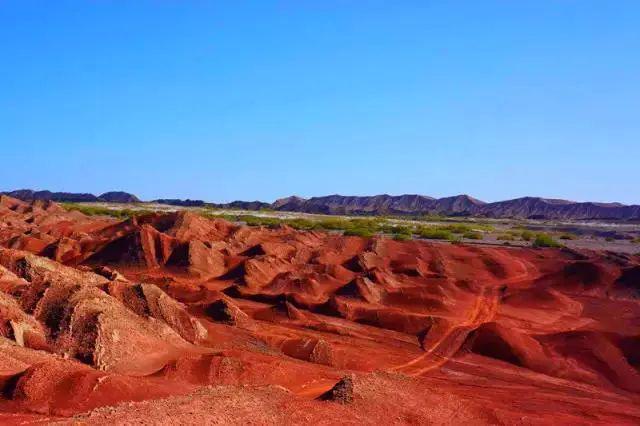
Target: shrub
396 229
609 239
435 233
483 227
359 232
472 235
568 237
303 224
526 235
456 239
229 217
131 213
103 211
505 237
402 237
361 227
258 221
545 240
457 228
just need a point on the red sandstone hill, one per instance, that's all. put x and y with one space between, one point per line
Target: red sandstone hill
177 317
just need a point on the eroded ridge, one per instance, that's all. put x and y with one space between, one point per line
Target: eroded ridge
204 320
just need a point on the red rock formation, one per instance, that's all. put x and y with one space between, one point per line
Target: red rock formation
94 312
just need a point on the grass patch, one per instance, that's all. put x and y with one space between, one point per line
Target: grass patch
396 229
433 233
359 232
473 235
363 227
506 237
545 240
103 211
526 235
522 233
302 224
457 228
357 227
402 237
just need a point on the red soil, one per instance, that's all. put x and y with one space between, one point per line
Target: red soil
180 318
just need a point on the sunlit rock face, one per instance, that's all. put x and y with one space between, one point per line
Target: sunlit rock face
204 320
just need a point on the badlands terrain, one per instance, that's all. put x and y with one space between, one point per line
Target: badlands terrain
176 317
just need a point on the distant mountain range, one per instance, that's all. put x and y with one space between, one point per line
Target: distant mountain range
71 197
459 205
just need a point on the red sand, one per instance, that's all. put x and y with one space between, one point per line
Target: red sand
179 318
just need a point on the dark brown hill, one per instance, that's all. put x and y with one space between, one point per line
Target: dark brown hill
119 197
31 195
72 197
460 205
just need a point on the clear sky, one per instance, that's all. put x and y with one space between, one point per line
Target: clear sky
224 100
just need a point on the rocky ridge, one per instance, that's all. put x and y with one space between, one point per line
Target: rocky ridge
459 205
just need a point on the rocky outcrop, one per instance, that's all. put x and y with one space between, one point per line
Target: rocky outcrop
84 316
341 392
292 203
118 197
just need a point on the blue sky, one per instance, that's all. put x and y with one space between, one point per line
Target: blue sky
224 100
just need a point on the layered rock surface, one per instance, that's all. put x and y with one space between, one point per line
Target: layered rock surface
159 308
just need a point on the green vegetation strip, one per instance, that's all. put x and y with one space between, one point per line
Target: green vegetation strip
104 211
545 240
363 227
